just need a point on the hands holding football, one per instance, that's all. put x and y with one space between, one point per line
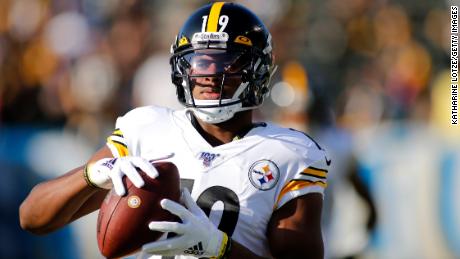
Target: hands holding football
139 219
123 221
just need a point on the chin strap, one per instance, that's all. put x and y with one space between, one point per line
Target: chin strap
213 114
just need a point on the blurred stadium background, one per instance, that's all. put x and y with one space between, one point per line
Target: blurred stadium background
368 79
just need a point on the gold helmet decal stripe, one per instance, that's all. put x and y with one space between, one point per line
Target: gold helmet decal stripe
214 16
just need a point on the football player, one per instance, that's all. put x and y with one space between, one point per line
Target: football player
251 190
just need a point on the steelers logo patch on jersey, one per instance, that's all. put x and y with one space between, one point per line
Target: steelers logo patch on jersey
264 174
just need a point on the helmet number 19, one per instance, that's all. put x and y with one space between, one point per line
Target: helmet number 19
205 21
223 22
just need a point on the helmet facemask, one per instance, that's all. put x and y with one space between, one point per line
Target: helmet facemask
238 78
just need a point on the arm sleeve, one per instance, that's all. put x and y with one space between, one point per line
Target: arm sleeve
309 176
117 143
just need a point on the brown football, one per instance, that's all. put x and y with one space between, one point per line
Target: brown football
122 225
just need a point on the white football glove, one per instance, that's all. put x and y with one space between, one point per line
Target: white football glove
108 173
196 235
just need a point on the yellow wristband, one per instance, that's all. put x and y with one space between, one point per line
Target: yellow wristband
87 180
223 247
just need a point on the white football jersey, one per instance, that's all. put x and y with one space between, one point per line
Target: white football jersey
238 184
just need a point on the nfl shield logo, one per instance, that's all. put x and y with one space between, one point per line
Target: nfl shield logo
207 158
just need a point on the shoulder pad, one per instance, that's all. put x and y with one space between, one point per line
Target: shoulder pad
297 141
145 115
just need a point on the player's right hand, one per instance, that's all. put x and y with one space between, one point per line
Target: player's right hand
107 173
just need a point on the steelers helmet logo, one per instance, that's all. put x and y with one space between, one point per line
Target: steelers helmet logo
134 201
264 174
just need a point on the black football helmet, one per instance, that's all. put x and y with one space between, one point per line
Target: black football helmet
239 45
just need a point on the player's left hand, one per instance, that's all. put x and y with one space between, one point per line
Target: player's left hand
196 235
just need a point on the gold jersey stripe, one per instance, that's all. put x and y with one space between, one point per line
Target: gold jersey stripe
214 16
315 172
313 175
121 148
318 169
297 185
118 142
117 135
117 132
